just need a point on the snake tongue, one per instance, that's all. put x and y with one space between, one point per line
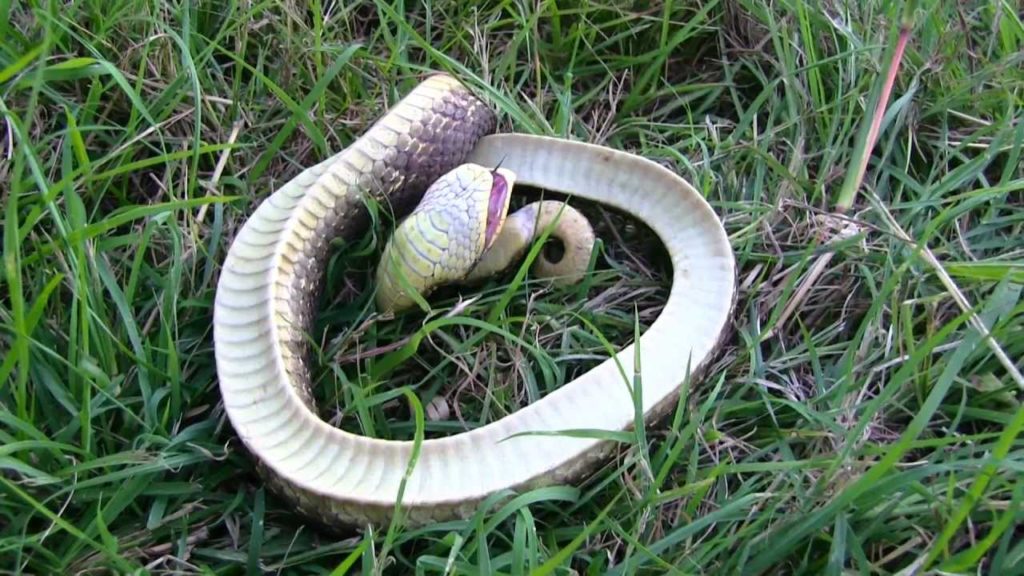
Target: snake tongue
497 206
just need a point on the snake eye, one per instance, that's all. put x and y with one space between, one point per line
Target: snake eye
496 206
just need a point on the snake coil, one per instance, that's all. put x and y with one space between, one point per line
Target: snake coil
271 278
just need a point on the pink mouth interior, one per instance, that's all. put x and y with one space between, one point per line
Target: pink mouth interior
499 192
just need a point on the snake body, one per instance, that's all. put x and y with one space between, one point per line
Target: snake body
271 279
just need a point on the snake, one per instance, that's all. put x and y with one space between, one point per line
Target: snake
437 160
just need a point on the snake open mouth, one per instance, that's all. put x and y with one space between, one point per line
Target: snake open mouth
496 208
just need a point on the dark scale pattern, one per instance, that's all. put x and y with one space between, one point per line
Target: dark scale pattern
456 123
440 141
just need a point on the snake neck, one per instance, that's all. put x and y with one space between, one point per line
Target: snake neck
522 228
426 134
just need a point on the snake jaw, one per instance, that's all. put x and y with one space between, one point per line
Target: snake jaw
498 203
457 220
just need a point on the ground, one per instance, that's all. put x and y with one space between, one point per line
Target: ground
864 416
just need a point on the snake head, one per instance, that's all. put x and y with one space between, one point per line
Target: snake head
458 219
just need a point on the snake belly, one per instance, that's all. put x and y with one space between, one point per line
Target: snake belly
271 279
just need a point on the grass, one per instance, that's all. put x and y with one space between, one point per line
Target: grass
857 421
